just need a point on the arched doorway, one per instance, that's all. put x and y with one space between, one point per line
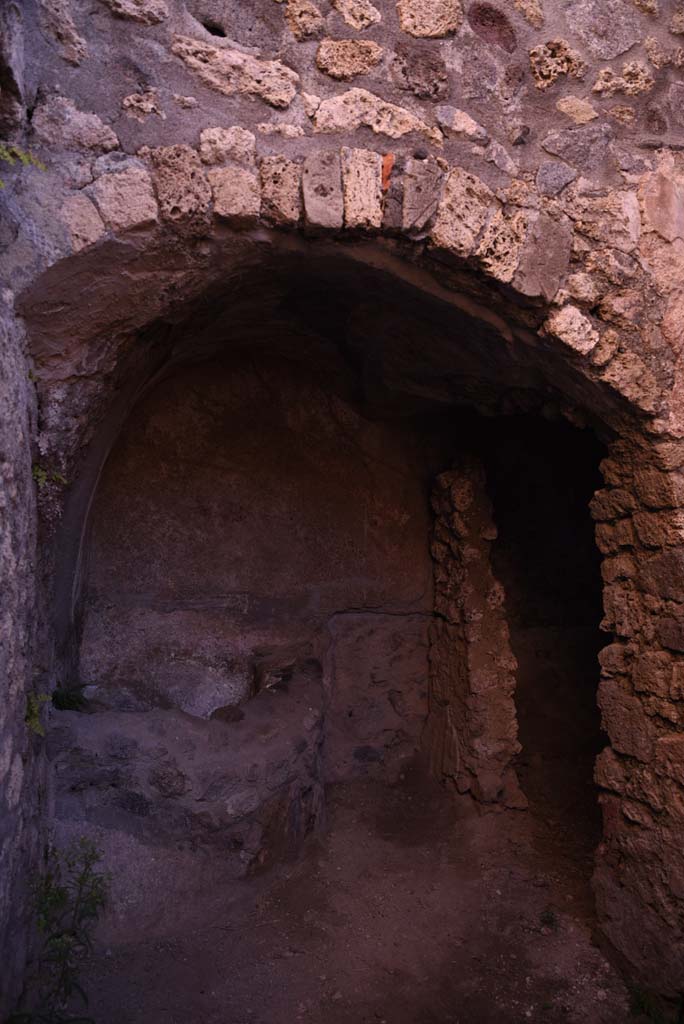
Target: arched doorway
256 607
418 350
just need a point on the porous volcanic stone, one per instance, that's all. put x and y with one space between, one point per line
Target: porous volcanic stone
347 58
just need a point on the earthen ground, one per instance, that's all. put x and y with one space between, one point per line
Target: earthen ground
412 908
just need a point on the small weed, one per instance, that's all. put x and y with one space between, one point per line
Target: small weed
40 475
11 154
34 705
43 476
68 900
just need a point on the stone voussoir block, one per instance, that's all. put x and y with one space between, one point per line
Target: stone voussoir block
362 188
423 180
466 205
183 192
237 195
322 191
281 190
125 199
82 221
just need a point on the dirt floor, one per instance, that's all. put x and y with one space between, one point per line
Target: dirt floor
411 909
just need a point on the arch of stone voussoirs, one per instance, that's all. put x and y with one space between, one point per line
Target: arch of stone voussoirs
165 232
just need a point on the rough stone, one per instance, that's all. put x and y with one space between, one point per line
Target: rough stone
237 195
662 205
362 188
322 191
358 107
501 244
140 105
580 110
230 71
125 199
676 25
57 122
183 191
498 155
635 79
422 192
430 19
359 14
346 58
417 68
553 177
148 12
304 18
573 328
551 60
607 27
460 124
281 201
587 147
532 11
545 256
82 220
465 207
227 145
58 21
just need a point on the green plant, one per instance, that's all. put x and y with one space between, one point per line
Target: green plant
11 154
34 704
42 476
68 900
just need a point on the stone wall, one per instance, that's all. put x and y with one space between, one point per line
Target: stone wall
23 793
471 735
250 521
641 773
513 168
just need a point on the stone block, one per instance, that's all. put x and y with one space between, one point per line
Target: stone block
322 191
281 190
545 256
82 221
227 145
422 192
587 148
182 189
237 195
125 199
58 123
460 124
553 176
362 188
231 71
359 14
304 18
573 328
430 19
346 58
465 207
359 108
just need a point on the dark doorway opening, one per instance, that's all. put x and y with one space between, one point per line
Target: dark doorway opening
541 477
